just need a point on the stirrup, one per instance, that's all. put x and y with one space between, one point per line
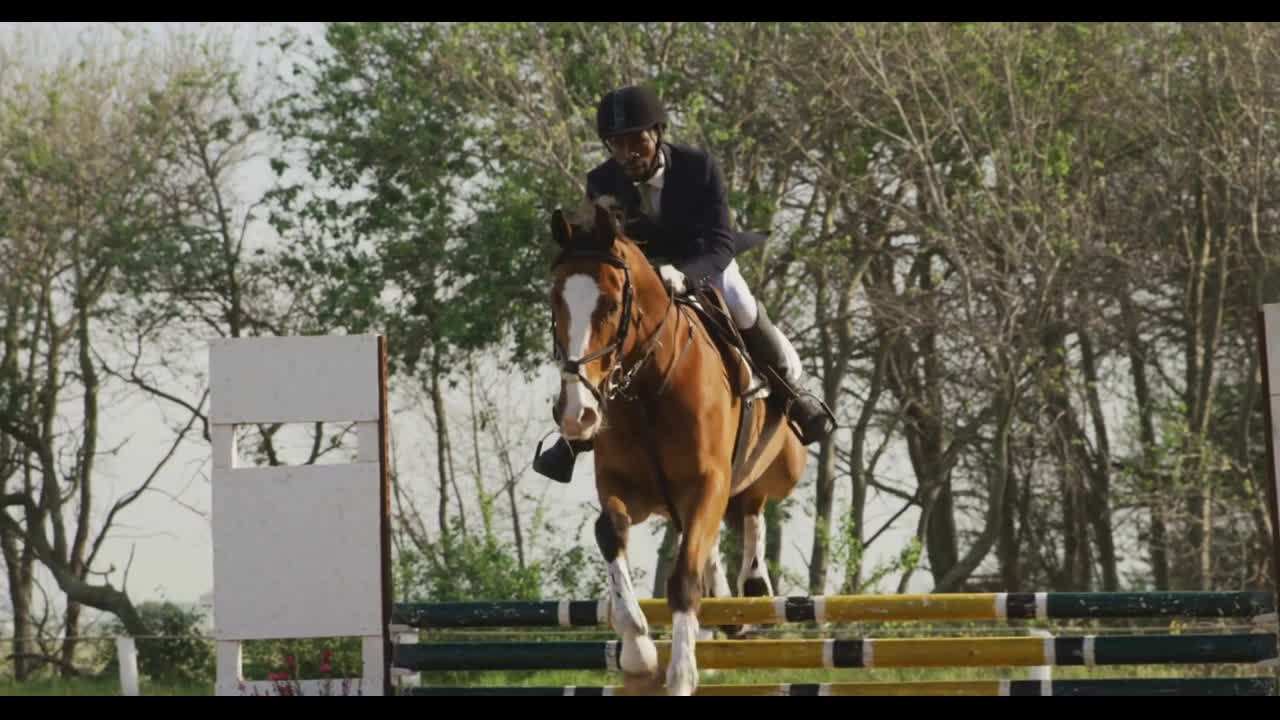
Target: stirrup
557 462
816 423
813 420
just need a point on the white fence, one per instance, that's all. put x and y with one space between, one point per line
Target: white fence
296 549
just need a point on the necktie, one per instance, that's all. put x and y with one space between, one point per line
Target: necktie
646 201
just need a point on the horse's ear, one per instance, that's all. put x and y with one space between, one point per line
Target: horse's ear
560 229
606 226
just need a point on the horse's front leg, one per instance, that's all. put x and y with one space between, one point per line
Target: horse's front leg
639 660
703 510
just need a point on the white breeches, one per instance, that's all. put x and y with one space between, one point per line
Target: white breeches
742 306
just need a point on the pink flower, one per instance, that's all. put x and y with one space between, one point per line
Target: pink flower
288 660
324 667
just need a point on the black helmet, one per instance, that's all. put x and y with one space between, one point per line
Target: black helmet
629 109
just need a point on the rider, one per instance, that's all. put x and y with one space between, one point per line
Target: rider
686 231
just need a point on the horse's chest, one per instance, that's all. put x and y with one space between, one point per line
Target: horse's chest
627 444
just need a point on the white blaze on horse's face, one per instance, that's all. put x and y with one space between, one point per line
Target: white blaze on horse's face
581 416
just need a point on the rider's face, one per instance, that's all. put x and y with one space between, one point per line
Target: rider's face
634 151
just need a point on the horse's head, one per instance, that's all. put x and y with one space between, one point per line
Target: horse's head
591 304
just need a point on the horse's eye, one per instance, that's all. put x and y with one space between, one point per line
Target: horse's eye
610 307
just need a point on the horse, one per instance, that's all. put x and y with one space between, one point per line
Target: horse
643 378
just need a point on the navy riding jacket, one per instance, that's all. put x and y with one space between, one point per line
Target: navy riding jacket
692 232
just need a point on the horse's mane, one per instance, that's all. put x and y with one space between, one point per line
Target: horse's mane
584 219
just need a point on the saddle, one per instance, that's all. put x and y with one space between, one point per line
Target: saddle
708 304
754 384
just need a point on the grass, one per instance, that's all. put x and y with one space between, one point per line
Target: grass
97 687
885 675
48 687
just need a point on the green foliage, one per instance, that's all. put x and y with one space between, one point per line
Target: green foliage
386 236
180 654
849 555
464 566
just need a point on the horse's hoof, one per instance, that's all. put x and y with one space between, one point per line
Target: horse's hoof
756 587
736 632
747 632
639 656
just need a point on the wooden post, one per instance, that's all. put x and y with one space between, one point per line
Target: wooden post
127 655
1269 339
384 485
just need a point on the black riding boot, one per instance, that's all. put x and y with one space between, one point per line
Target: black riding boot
808 412
557 462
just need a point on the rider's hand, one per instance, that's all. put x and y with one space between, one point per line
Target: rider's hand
673 279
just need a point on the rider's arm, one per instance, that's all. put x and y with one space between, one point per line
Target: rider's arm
712 228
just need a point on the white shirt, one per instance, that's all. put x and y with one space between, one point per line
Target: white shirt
653 186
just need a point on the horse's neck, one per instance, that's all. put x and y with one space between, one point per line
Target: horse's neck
661 329
650 296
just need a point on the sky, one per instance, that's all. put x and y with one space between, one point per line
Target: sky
164 538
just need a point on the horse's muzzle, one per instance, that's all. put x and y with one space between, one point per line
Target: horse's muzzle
581 425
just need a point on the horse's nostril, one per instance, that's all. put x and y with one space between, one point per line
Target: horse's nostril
589 417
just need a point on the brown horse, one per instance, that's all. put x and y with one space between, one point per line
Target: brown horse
643 378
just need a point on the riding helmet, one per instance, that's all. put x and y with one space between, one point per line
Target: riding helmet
627 110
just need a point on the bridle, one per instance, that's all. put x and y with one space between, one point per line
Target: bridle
617 381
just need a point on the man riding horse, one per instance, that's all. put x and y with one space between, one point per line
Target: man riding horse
675 203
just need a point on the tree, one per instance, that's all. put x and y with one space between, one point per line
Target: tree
76 176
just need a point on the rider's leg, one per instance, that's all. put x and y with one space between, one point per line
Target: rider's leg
768 346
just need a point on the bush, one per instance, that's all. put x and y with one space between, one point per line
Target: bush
313 658
462 567
181 655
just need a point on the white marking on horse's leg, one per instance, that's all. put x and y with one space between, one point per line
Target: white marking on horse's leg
682 673
714 584
627 616
639 654
717 583
581 294
753 561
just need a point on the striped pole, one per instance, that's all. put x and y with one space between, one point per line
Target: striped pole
1173 687
855 653
851 608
